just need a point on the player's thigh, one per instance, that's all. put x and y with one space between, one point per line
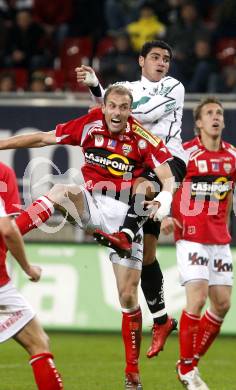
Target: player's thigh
192 261
15 311
90 217
32 337
196 295
221 265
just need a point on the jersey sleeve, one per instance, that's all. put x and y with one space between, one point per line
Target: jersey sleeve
157 155
155 107
71 133
2 208
9 192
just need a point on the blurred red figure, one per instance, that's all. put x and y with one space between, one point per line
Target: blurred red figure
17 317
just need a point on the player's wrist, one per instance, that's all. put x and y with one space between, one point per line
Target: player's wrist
91 79
165 200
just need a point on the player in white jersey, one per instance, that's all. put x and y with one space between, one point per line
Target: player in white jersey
158 104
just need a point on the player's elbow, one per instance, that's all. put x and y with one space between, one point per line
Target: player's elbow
6 228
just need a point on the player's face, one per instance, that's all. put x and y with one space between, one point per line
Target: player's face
211 122
116 111
156 64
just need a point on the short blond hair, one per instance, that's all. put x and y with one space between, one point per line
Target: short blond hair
120 90
198 110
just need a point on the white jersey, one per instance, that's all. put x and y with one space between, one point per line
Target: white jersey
159 108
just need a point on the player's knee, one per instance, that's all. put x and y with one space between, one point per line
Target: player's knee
196 305
222 307
58 193
128 297
40 343
149 256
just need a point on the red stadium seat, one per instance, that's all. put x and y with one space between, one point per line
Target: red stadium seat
104 46
74 52
20 76
55 78
226 51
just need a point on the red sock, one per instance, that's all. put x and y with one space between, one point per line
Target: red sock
188 329
45 372
209 328
37 213
132 334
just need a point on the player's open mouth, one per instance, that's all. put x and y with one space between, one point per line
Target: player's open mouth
115 121
216 124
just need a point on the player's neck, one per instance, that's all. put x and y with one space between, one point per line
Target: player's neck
212 144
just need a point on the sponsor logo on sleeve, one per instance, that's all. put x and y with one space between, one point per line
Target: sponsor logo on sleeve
152 139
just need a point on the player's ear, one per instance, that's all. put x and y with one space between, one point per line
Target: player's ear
141 61
103 108
198 123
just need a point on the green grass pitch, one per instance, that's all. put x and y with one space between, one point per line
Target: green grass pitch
95 361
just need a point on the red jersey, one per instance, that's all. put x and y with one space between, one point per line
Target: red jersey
116 159
201 203
10 198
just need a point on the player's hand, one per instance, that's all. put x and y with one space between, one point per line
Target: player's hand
168 225
159 206
86 75
34 273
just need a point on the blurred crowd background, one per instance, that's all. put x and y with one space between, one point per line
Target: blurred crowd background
42 41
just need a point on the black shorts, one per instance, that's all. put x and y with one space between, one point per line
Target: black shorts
178 168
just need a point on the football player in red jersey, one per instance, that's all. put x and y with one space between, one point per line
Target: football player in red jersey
158 101
103 201
201 212
17 317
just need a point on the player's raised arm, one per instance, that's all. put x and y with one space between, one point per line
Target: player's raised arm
32 140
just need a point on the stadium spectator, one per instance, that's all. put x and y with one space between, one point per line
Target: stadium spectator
226 19
88 24
120 62
17 317
99 133
147 27
204 67
9 9
25 44
182 37
158 104
201 209
7 82
119 13
38 82
229 79
54 17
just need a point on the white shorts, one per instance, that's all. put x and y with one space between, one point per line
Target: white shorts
108 214
209 262
15 311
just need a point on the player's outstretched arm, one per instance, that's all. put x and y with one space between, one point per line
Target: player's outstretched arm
33 140
15 244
